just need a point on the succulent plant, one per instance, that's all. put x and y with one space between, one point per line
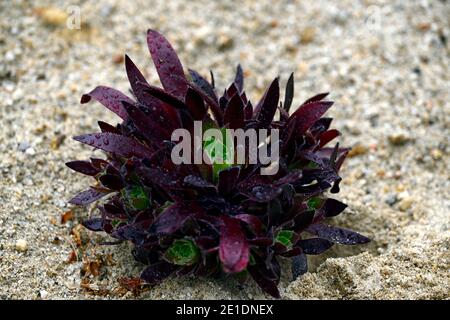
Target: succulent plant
212 219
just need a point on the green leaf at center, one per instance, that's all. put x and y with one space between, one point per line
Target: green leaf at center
182 252
136 197
220 151
285 237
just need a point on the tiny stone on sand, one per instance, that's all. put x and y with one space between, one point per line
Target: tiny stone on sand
22 245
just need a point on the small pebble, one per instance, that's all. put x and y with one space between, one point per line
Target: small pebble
52 16
224 42
30 151
307 35
358 150
391 199
23 146
43 294
9 56
398 139
405 204
21 245
436 154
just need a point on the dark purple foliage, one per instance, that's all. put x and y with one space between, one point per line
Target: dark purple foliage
188 220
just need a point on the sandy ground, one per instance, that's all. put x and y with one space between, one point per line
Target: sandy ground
385 62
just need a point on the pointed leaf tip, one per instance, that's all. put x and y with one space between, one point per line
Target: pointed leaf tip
93 224
308 114
84 167
88 196
167 63
317 97
315 246
135 77
239 78
265 111
234 113
337 235
289 93
110 98
114 143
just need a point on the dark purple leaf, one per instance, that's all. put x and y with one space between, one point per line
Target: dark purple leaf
173 218
340 159
266 109
106 127
231 91
333 207
321 126
292 253
145 255
111 181
213 83
253 222
248 111
99 164
233 250
94 224
195 104
110 142
274 211
157 272
263 193
290 178
325 153
132 233
244 98
267 285
223 102
147 126
86 197
198 182
308 114
317 97
213 104
260 242
167 64
303 220
289 93
239 78
113 210
165 179
165 96
84 167
286 135
234 113
135 77
206 242
227 180
337 235
299 265
203 84
110 98
334 153
315 245
186 271
327 136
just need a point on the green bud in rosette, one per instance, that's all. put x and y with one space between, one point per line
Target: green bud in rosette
221 152
182 252
136 197
285 237
314 203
